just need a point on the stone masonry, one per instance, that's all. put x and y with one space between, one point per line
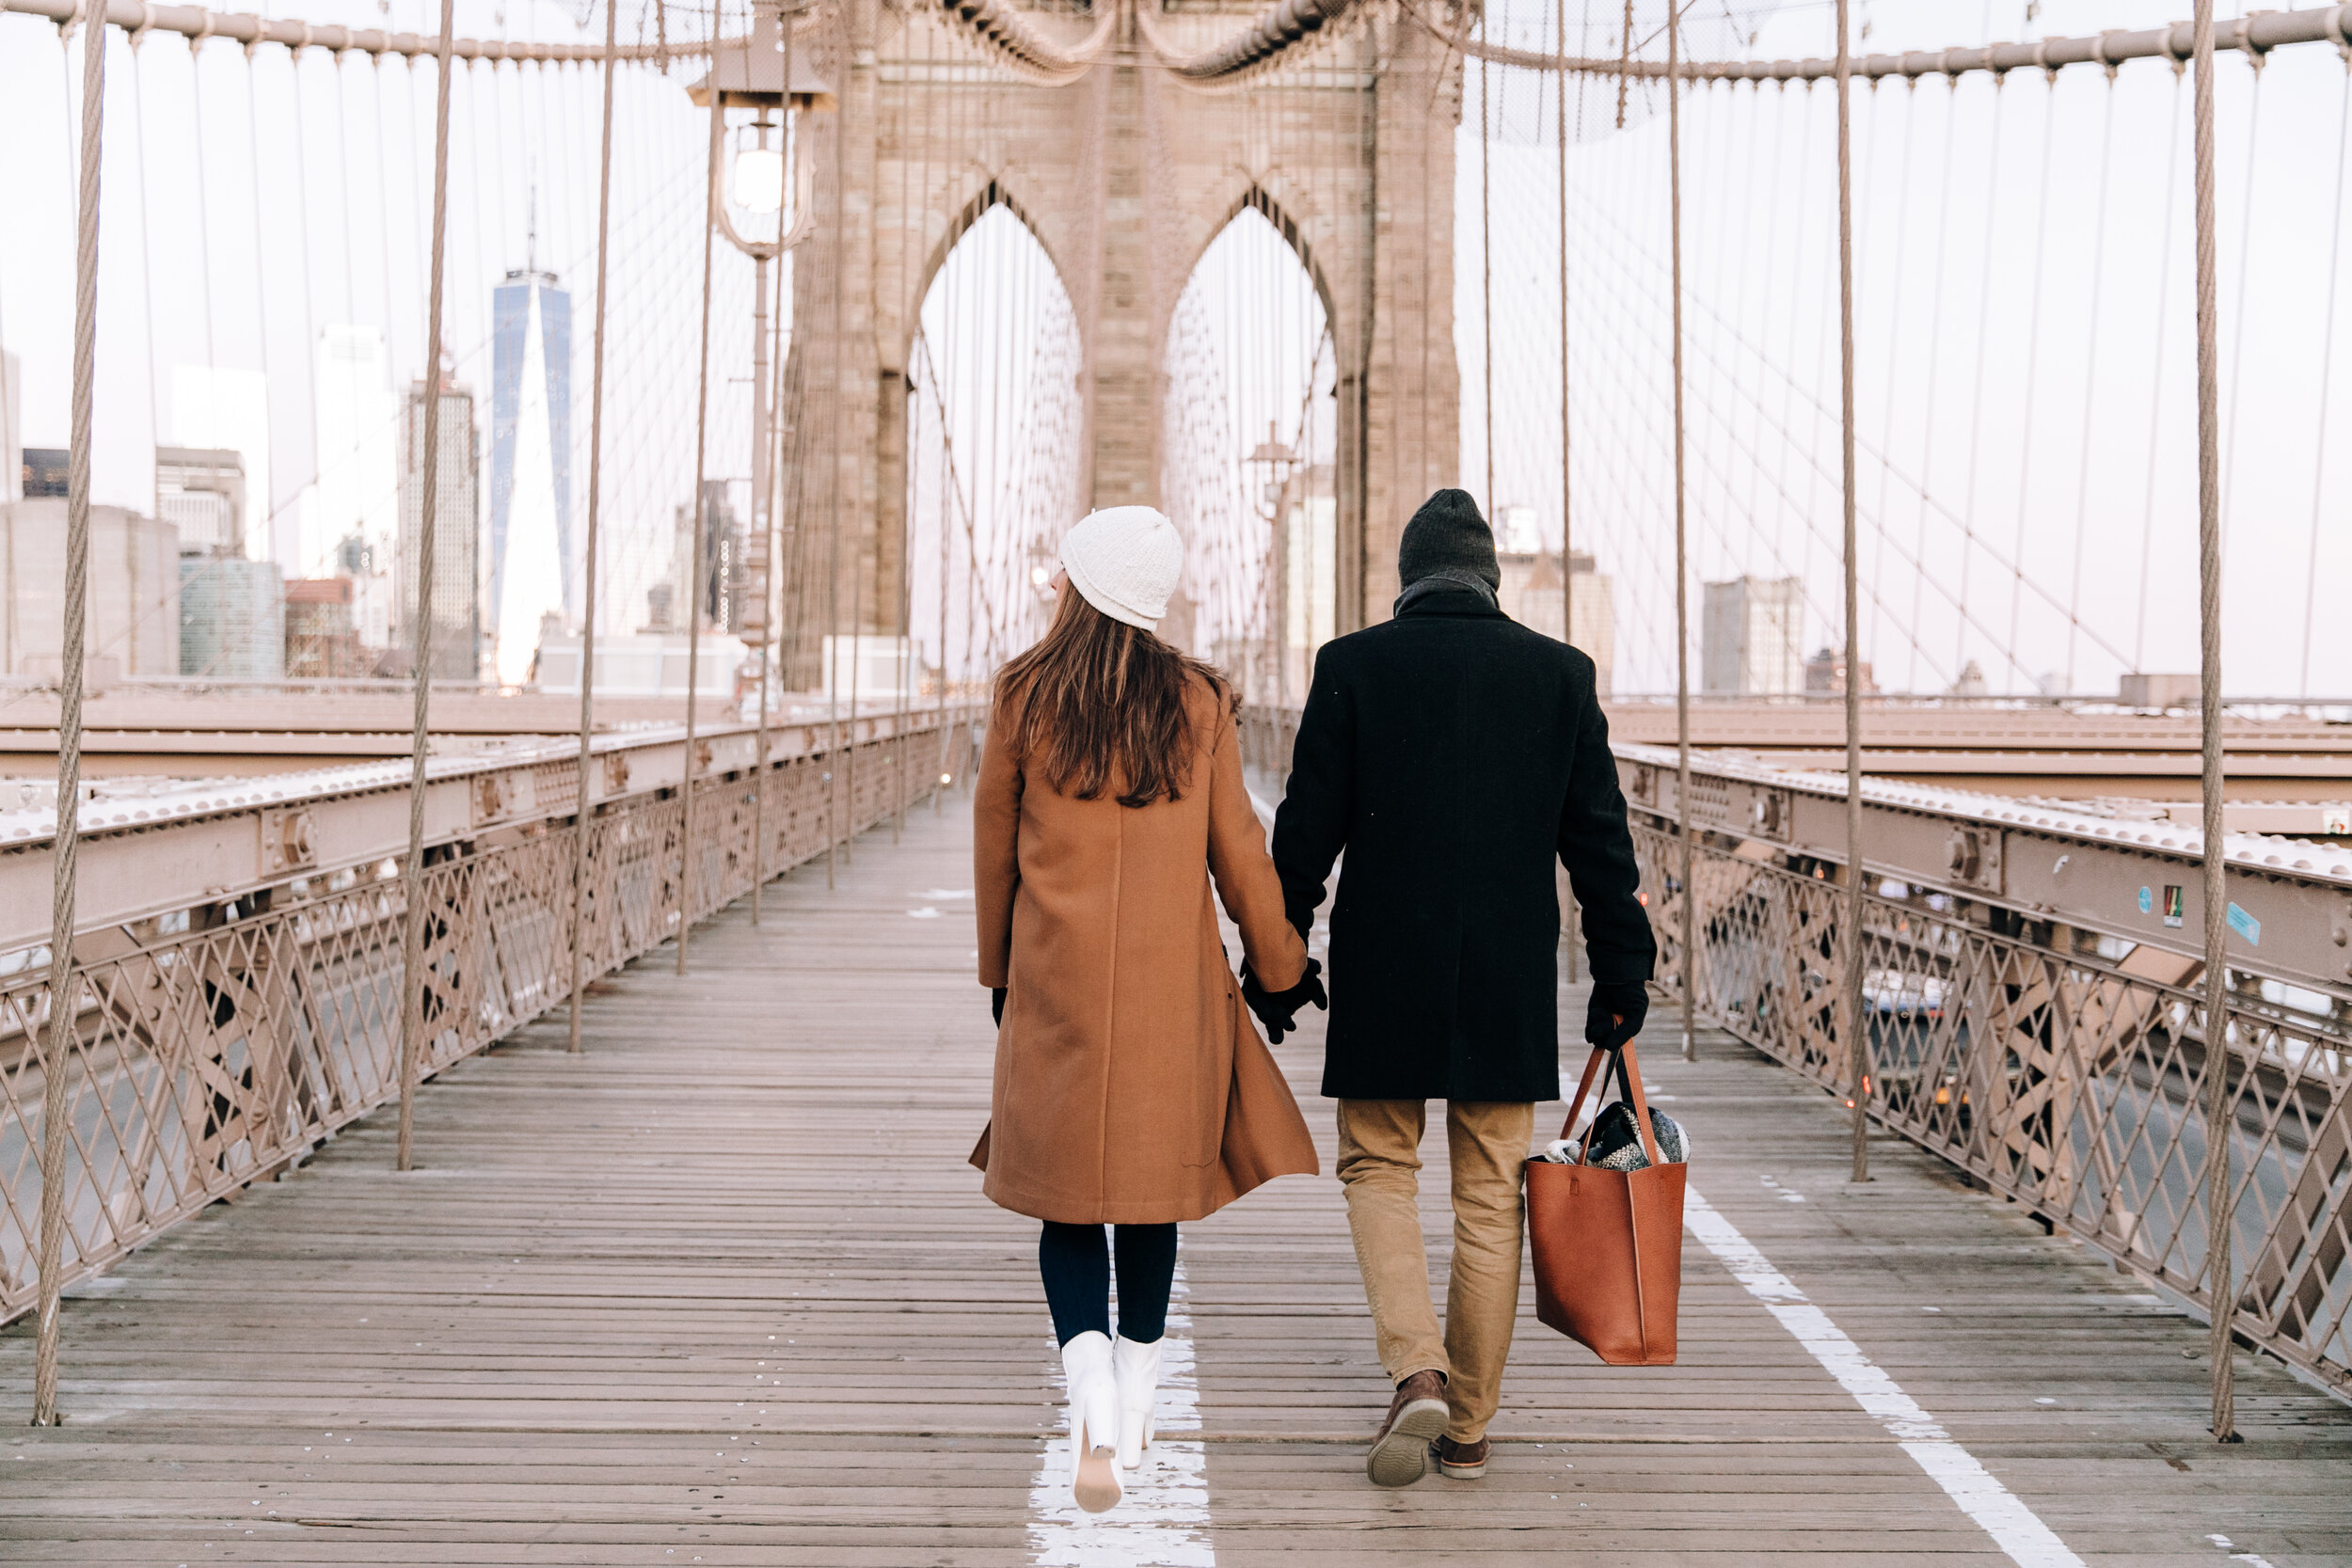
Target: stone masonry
1124 175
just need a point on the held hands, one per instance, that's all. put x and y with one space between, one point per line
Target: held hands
1277 1009
1615 1013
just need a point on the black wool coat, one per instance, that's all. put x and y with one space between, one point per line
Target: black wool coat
1452 753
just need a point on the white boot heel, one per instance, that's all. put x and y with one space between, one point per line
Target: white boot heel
1136 1368
1086 1363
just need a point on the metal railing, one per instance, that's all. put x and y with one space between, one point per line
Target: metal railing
216 1045
2061 1066
2062 1070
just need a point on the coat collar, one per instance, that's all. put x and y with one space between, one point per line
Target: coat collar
1455 602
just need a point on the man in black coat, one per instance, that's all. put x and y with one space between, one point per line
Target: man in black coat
1453 753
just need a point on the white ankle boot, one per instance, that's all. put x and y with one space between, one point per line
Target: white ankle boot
1137 1370
1086 1363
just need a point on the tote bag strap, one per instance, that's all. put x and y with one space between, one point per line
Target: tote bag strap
1630 1069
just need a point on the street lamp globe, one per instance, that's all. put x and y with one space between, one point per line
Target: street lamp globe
759 180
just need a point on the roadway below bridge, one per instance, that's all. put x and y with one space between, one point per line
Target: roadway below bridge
723 1290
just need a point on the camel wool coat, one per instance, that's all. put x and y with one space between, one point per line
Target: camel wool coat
1132 1086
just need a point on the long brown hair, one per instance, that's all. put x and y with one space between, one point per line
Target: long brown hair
1097 699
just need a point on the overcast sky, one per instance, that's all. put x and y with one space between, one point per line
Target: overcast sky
2013 404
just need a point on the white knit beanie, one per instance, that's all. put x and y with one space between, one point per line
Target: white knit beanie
1125 562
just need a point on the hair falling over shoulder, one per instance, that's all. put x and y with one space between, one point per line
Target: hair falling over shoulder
1097 699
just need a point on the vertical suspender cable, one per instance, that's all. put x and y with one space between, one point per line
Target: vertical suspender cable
694 548
2326 365
860 38
2033 361
763 518
831 396
412 947
2219 1211
763 492
2090 386
1624 60
1927 427
1568 553
1682 545
64 989
1850 987
2155 374
585 818
2244 284
946 486
910 301
1567 532
1486 266
1976 399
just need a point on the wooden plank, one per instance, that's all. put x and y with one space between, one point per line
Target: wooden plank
723 1290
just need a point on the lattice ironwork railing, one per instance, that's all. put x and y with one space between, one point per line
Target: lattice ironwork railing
2059 1069
210 1058
2072 1080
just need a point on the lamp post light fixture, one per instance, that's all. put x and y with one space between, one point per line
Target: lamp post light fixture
760 171
759 72
1281 464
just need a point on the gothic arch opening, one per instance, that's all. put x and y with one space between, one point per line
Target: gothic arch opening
995 447
1250 445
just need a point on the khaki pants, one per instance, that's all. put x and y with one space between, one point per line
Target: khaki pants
1487 1142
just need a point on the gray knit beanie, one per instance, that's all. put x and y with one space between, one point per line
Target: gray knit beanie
1448 539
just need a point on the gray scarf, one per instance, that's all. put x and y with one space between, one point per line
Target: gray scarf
1444 580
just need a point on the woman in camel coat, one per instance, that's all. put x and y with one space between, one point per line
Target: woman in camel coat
1131 1088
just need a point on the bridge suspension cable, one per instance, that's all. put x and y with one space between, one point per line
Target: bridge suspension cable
194 23
2255 35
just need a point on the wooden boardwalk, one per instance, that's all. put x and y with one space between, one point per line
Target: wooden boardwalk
724 1290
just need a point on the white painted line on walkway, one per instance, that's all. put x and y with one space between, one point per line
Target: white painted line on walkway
1162 1522
2013 1527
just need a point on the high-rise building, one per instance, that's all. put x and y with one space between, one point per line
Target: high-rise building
321 639
351 517
1531 595
721 563
456 607
201 491
1825 673
45 471
132 628
233 618
11 428
217 406
531 490
1749 633
1516 531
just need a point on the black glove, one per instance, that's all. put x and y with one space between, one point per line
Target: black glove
1615 1013
1276 1009
997 1004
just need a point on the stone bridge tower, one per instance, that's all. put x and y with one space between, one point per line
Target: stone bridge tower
1125 139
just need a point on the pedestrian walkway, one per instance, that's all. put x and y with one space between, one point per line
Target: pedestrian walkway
724 1290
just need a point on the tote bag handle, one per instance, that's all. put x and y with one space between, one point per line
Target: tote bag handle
1630 1078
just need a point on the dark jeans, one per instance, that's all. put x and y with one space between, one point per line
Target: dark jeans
1076 1265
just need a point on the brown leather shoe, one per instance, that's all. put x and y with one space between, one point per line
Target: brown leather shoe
1463 1461
1400 1454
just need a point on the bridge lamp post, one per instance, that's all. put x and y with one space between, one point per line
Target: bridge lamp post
773 186
1281 464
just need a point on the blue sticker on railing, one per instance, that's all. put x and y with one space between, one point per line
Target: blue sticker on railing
2246 925
2147 900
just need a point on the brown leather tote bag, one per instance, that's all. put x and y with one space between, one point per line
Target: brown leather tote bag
1608 1244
